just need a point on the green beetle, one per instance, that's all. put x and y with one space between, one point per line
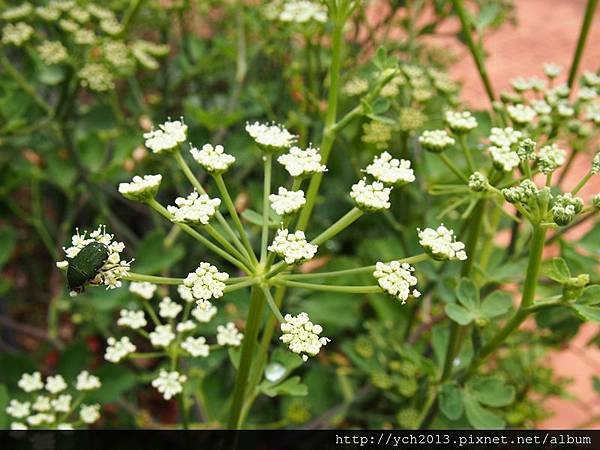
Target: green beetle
86 265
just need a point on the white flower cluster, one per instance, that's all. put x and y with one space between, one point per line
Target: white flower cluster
205 283
167 136
132 319
52 52
272 137
213 159
96 77
297 11
504 158
300 163
16 34
228 335
118 349
113 270
292 247
461 121
302 336
505 137
195 208
53 409
197 347
143 289
550 157
441 243
521 114
371 197
162 336
396 278
390 171
169 384
504 149
141 188
287 202
168 309
436 141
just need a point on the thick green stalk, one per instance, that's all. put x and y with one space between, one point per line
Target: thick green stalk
583 34
132 276
264 241
475 51
257 301
328 287
462 139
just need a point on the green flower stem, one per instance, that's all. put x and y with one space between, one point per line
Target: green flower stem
344 222
194 181
150 311
146 355
453 168
257 301
226 245
462 139
272 304
297 183
234 215
24 84
328 288
130 14
264 241
475 51
132 276
583 34
529 289
581 183
189 230
240 285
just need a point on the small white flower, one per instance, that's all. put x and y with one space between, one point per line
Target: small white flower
52 52
564 109
195 208
132 319
587 94
162 336
55 384
169 384
38 419
96 77
62 403
461 121
18 409
441 243
287 202
355 86
520 84
87 382
205 283
196 347
212 159
168 309
302 11
16 34
388 170
550 158
184 327
505 137
436 141
521 114
592 113
229 335
371 197
64 427
591 78
541 107
31 382
396 278
117 350
89 413
302 336
552 70
141 188
504 158
300 162
143 289
42 403
272 137
292 247
167 136
18 426
204 314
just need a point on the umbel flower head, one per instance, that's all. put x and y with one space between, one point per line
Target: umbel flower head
141 189
441 243
302 336
169 384
297 11
228 335
270 138
595 164
390 171
396 278
167 136
436 141
504 158
162 336
300 163
132 319
143 289
521 114
113 270
205 283
371 197
197 347
292 247
287 202
195 208
117 350
478 182
460 121
565 208
521 193
96 77
213 159
550 158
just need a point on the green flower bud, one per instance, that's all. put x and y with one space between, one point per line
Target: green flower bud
478 182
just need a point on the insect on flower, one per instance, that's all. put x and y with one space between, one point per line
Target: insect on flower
86 265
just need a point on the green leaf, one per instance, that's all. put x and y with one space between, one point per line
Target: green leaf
481 418
116 380
291 386
468 294
587 306
256 218
591 313
590 295
558 270
451 401
491 391
381 105
151 255
3 404
496 304
459 314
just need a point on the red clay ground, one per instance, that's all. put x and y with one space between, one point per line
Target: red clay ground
547 31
